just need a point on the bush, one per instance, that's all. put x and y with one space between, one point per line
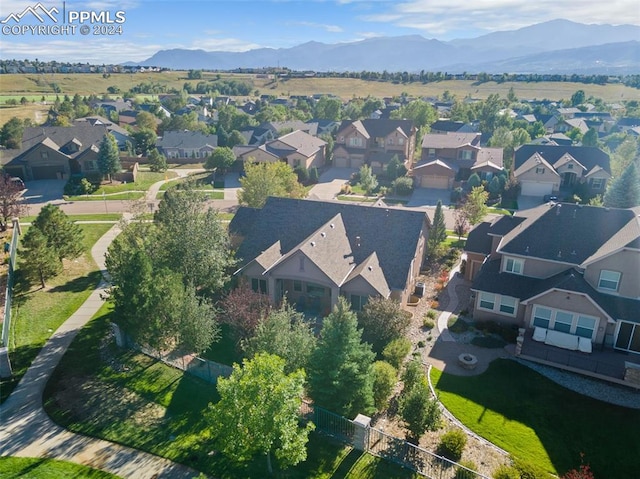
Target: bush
452 444
385 377
462 473
428 323
396 351
421 344
506 472
530 471
78 186
403 186
456 195
431 314
314 176
303 174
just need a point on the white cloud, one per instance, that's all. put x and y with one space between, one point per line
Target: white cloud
223 44
328 28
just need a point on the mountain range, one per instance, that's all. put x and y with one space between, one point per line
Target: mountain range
557 46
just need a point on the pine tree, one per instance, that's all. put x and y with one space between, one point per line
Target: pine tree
438 231
624 192
63 236
108 156
39 261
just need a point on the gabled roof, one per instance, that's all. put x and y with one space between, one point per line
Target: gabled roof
432 163
451 140
186 139
627 237
302 142
55 137
100 120
478 240
494 156
534 161
393 234
567 158
370 271
588 156
379 128
450 126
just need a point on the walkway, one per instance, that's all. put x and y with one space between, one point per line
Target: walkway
27 431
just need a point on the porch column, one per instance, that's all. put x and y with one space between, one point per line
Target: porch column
335 294
271 288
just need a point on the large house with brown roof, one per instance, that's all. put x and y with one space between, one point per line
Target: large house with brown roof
454 156
569 274
296 149
312 252
374 142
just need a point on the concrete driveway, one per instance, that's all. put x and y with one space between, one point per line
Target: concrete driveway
330 183
528 202
429 197
43 191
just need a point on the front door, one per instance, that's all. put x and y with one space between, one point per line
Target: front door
568 179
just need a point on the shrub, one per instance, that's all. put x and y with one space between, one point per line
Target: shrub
452 444
78 186
462 473
530 471
456 195
383 191
421 344
403 186
428 323
431 314
314 176
506 472
396 351
385 377
303 174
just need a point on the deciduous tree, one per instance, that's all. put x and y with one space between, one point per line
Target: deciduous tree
385 377
368 180
258 412
244 309
474 206
157 161
11 204
262 180
383 320
11 133
144 140
221 159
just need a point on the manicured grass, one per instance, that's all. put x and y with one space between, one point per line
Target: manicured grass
202 181
211 195
91 217
541 422
143 183
455 243
39 468
499 211
135 400
37 313
452 233
357 199
124 195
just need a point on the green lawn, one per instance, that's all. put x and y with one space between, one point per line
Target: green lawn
357 199
210 195
542 423
91 217
123 195
38 468
37 313
156 408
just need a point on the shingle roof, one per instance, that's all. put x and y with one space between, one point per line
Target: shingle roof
447 125
450 140
588 156
393 234
372 273
382 127
302 142
57 136
186 139
478 241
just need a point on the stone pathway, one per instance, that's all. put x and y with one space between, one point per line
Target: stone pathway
27 431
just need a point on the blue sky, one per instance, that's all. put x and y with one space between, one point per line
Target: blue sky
244 24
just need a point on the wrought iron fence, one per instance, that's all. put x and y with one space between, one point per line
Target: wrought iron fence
329 423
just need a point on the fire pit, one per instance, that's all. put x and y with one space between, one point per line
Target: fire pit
467 361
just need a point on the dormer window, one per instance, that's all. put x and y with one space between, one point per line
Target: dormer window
609 280
539 170
513 265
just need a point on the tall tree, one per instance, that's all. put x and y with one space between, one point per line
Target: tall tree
145 120
340 370
144 140
328 109
62 235
474 205
578 98
383 320
39 260
11 204
590 138
624 192
244 309
368 180
262 180
108 156
243 430
438 231
11 134
419 412
221 159
624 154
420 112
385 378
157 161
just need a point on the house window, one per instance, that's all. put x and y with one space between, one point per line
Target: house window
297 286
259 285
570 166
508 305
431 152
563 322
197 154
513 265
466 155
390 141
315 290
541 316
44 155
539 171
487 301
90 165
609 280
301 263
597 183
355 141
585 327
358 302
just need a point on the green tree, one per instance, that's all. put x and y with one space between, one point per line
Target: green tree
395 352
385 377
108 156
157 161
340 370
221 159
328 108
438 231
63 235
383 320
146 121
590 138
39 261
235 138
474 205
494 187
243 430
11 204
395 169
262 180
286 334
368 180
144 140
420 112
11 133
474 181
578 98
624 192
419 412
626 152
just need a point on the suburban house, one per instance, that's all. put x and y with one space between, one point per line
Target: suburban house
56 152
374 143
296 149
569 274
548 169
186 144
449 157
312 252
120 134
450 126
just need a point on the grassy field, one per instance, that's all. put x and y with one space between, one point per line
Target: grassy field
89 217
37 313
35 112
137 401
542 423
38 468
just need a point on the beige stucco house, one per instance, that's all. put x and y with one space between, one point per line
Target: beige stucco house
297 148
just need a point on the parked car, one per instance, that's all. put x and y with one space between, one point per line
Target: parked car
548 198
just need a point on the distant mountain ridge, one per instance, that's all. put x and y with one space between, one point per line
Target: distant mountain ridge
557 46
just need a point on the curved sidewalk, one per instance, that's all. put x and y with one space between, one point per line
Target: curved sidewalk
27 431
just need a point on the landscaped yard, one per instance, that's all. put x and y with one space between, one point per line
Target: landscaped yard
542 423
134 400
39 468
88 217
128 191
37 313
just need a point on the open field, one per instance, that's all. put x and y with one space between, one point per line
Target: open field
36 112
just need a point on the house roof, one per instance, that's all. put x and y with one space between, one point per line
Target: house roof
370 271
100 120
302 142
567 158
450 140
565 232
379 128
186 139
478 240
425 164
588 156
450 126
56 137
533 162
490 155
391 233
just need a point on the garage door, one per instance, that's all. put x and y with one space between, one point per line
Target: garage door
45 172
441 182
531 188
341 162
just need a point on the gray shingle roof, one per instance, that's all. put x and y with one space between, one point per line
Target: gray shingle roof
186 139
84 135
588 156
450 140
393 234
478 241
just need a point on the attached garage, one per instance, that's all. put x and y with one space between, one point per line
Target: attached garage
47 172
342 162
433 181
434 174
534 188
